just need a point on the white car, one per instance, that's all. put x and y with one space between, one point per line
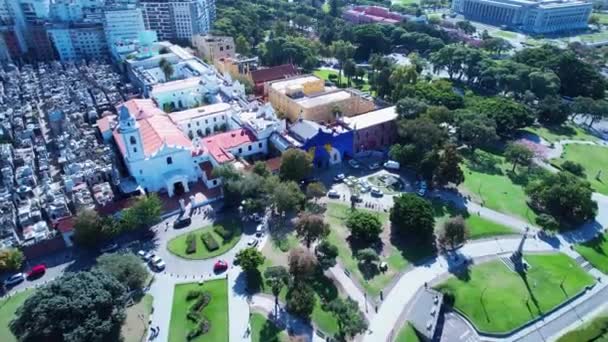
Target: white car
148 255
157 262
141 253
374 166
391 165
259 230
253 242
377 192
333 194
14 279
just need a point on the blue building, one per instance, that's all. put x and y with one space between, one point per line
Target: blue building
328 145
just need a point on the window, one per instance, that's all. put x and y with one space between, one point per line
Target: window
169 160
132 140
249 147
260 145
141 172
214 119
134 149
240 150
214 182
189 125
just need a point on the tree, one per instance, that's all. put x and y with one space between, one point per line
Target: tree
448 167
351 320
11 259
302 21
260 169
364 226
475 130
422 133
326 254
276 278
564 196
295 165
466 26
496 45
144 212
90 230
242 45
126 268
334 8
315 190
544 83
518 154
342 51
596 109
311 227
350 70
300 300
574 168
510 116
410 108
553 111
367 256
453 233
249 259
166 67
82 306
302 263
413 217
287 196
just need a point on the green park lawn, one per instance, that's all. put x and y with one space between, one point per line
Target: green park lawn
264 330
509 300
478 227
594 37
596 252
407 334
177 245
490 181
405 2
564 132
504 34
596 330
8 307
216 311
395 258
362 85
603 18
594 159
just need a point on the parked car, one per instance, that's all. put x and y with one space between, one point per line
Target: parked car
374 166
108 248
392 165
37 271
157 263
333 194
356 198
339 178
14 279
259 230
377 192
354 164
253 242
141 253
182 222
148 256
220 266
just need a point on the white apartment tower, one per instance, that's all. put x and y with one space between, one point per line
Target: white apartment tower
178 19
123 23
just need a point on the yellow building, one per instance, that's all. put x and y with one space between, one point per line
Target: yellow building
213 47
307 97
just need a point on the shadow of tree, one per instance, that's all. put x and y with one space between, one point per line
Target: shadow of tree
596 243
270 332
484 162
459 265
324 287
413 248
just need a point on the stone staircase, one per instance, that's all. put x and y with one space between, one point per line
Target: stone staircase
582 262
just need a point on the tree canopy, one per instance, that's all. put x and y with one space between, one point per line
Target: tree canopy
412 217
125 267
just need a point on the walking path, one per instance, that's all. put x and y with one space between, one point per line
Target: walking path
338 273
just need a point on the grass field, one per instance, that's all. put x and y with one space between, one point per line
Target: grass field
135 327
504 34
479 227
596 252
490 180
594 159
407 334
324 74
596 330
602 16
264 330
335 216
405 2
177 245
216 311
564 132
594 37
8 307
490 290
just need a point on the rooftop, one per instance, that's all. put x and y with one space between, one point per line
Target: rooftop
273 73
189 114
323 98
282 86
170 86
218 145
371 118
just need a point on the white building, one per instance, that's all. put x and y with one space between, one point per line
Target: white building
178 19
543 16
122 24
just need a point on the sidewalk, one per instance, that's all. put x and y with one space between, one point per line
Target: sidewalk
351 289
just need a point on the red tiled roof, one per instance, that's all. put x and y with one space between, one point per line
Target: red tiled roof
65 225
218 145
273 73
105 124
141 108
155 128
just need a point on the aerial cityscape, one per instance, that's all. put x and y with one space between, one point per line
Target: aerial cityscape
316 170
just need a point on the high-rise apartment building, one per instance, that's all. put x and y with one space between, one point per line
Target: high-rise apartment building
123 23
178 19
77 41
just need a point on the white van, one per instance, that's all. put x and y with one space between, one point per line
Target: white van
391 165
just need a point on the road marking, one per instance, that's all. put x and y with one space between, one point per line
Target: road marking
464 334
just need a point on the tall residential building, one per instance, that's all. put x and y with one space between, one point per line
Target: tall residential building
178 19
542 16
79 41
123 23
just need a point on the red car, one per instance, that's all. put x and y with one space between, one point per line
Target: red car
37 271
220 266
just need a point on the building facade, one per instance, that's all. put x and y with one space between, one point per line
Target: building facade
374 130
178 19
548 16
213 48
79 41
123 24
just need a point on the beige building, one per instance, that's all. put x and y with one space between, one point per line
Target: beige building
214 47
307 97
237 66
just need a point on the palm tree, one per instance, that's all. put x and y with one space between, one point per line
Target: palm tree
166 68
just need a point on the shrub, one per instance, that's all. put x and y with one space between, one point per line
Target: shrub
226 234
201 302
574 168
332 77
209 242
193 294
190 243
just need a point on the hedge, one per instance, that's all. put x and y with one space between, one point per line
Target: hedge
190 243
226 234
209 242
